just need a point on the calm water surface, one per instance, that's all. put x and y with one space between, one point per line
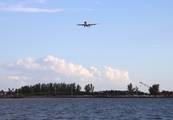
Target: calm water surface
87 109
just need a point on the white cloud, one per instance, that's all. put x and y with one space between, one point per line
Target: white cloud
21 7
28 71
95 71
117 76
12 82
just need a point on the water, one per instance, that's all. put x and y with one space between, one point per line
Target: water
87 109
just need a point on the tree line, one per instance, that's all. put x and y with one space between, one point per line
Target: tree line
75 89
54 89
153 90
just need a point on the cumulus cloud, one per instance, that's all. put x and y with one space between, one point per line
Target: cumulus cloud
48 69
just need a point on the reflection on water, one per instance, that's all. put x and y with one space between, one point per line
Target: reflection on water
86 108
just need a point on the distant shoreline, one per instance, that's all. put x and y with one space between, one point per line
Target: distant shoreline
88 96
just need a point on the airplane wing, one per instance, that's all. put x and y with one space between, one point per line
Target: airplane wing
80 24
87 25
92 24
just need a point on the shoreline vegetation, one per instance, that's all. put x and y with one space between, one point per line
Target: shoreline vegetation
73 90
91 96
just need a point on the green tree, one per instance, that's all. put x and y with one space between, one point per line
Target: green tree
136 90
25 89
154 90
37 87
78 88
89 88
130 89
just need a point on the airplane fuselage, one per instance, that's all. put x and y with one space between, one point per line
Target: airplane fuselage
86 24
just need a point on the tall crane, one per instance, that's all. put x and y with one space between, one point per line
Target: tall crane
145 84
150 88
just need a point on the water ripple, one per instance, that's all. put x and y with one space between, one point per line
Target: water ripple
86 108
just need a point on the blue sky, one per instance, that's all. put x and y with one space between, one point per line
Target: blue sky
41 43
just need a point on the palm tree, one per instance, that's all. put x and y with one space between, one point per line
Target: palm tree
130 89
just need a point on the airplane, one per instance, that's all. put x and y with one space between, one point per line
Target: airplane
86 24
